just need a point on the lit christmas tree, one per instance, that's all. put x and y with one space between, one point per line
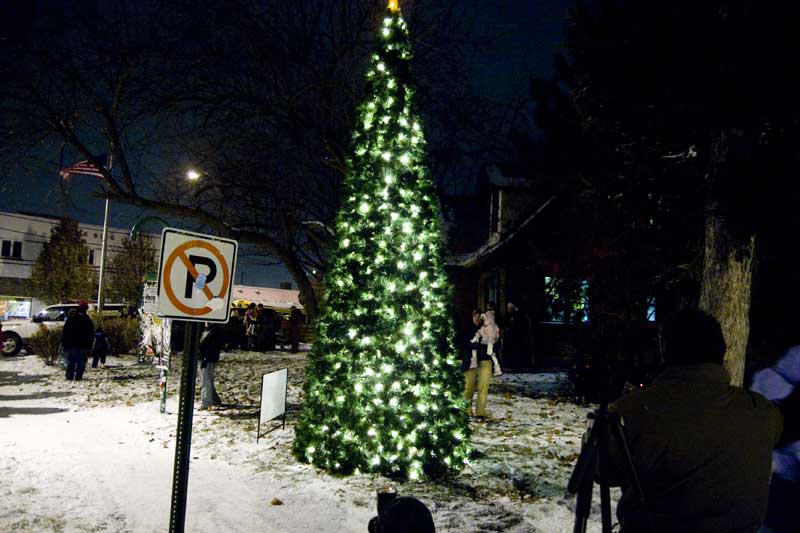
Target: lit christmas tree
384 391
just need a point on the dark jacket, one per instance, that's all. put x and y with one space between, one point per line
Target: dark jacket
211 345
702 450
78 332
466 352
100 346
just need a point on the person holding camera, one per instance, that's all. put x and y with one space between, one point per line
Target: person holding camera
702 449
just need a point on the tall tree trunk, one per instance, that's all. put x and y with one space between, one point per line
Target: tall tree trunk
728 266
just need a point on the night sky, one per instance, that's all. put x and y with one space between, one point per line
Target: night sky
527 34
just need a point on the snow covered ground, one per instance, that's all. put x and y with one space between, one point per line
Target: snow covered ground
98 456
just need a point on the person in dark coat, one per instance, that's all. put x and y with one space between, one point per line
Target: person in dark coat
77 339
100 347
701 447
777 384
516 338
250 325
269 330
295 322
261 328
211 344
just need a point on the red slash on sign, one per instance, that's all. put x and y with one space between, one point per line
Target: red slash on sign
181 252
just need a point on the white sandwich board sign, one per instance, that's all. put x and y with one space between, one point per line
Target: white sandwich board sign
273 397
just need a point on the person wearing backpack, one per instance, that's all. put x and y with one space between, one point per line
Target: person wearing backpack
100 347
210 347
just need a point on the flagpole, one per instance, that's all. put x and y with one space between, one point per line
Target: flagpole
100 296
102 260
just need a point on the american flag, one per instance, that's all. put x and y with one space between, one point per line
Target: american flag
87 167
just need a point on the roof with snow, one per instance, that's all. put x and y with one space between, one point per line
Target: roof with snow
498 179
492 245
278 298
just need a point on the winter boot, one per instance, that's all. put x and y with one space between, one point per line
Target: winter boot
497 370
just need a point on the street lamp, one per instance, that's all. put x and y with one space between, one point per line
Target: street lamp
193 175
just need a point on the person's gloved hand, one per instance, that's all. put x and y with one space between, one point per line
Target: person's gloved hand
474 340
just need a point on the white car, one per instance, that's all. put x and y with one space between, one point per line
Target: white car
17 333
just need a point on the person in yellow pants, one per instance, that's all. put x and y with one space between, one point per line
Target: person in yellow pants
477 377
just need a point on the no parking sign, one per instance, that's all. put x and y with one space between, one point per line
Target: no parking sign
195 276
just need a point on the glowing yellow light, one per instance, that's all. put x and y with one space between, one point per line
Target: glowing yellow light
394 5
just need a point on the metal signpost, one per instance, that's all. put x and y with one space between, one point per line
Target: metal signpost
156 336
189 294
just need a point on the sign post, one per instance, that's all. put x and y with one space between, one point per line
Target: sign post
194 285
155 336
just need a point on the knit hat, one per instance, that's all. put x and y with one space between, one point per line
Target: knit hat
405 514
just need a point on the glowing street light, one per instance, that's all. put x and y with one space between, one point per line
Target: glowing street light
193 175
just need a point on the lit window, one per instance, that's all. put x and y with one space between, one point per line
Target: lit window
566 300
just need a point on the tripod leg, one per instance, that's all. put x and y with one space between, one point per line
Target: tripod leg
583 506
581 482
603 463
615 427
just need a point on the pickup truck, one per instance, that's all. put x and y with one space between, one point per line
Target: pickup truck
17 333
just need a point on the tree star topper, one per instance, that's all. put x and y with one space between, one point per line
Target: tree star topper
394 5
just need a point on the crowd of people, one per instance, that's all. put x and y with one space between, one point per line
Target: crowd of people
261 329
709 456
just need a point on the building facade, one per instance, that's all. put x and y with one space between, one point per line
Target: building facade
22 237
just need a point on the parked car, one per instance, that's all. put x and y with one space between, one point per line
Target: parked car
17 332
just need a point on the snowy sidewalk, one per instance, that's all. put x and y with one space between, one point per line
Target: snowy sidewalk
98 456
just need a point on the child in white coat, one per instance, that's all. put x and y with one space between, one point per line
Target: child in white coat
487 335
